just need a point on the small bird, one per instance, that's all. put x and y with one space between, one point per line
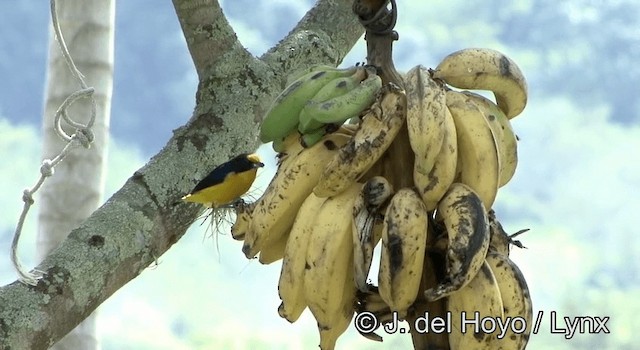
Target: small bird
227 182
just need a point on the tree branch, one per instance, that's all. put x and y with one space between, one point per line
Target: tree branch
138 223
207 31
313 42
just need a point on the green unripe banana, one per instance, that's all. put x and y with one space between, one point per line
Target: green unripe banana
299 73
283 116
338 109
311 138
337 87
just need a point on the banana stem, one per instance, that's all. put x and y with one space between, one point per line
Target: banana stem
378 21
374 15
396 164
380 55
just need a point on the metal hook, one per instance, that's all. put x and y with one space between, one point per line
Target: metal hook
382 22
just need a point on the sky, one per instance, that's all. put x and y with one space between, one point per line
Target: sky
573 187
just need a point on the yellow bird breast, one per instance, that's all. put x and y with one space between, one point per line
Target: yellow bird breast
233 187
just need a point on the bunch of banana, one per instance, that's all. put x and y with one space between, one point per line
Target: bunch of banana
318 102
317 268
316 240
332 199
460 135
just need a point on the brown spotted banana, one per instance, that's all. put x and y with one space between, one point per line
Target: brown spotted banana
486 69
479 298
467 226
426 109
330 257
404 240
291 283
377 130
433 185
478 155
506 138
276 209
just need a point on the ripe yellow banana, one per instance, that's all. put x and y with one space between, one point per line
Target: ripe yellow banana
478 155
366 234
243 212
426 108
329 334
273 252
404 240
479 299
467 225
376 132
505 136
291 283
433 185
283 116
515 298
513 286
276 210
330 257
486 69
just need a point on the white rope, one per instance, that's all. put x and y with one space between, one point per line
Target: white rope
83 136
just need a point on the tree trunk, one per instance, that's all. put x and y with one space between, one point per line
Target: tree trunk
76 189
